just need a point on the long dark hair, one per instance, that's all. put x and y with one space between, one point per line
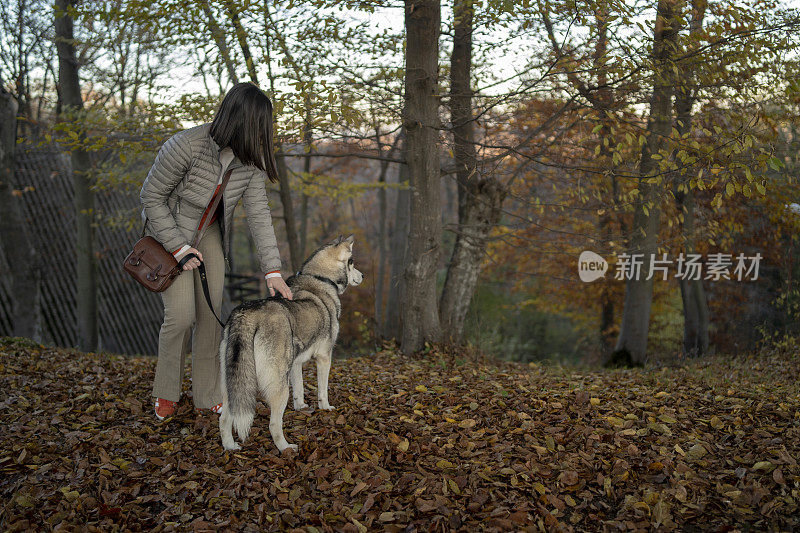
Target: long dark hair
244 122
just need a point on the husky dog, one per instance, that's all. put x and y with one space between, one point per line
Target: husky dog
265 343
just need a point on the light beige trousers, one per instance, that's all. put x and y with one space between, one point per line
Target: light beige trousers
186 313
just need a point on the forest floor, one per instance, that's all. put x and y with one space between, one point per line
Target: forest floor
434 443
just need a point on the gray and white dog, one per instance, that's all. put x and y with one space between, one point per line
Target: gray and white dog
265 343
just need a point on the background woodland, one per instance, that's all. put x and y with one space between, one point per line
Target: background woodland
473 148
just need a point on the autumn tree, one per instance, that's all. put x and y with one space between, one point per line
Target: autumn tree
25 59
643 233
693 296
126 57
420 313
72 105
15 238
399 248
479 197
605 67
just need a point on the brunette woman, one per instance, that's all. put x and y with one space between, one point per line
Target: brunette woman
177 197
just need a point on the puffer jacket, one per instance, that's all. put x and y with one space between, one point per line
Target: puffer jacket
181 183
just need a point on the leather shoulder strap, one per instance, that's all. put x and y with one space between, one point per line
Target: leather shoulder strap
217 198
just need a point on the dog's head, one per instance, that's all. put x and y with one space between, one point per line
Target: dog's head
345 250
334 261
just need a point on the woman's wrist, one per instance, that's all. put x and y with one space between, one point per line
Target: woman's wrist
273 274
180 251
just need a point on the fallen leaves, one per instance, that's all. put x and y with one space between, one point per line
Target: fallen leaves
416 444
467 423
696 452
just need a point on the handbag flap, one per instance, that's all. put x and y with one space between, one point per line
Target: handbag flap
151 265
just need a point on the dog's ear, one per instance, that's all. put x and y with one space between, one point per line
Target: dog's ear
349 240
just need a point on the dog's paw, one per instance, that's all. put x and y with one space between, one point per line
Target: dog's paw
326 406
288 447
300 406
232 447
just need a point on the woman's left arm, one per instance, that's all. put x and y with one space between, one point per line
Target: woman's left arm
259 219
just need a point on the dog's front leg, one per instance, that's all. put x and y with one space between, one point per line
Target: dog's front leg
323 369
296 377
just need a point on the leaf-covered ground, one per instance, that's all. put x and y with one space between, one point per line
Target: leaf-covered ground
439 443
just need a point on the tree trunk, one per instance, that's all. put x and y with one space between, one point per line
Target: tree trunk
420 311
479 199
303 225
308 141
22 82
484 199
602 106
285 192
42 94
241 36
136 82
380 284
693 296
461 100
402 219
606 231
17 245
631 346
72 101
607 299
295 258
602 100
695 306
380 281
219 38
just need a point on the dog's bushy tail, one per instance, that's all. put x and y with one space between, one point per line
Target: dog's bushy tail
238 373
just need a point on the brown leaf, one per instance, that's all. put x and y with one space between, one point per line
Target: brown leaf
467 423
358 488
569 477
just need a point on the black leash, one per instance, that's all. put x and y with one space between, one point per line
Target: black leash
198 234
204 280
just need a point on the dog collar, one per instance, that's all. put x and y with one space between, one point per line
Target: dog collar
328 281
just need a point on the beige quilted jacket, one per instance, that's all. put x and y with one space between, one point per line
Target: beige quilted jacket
179 187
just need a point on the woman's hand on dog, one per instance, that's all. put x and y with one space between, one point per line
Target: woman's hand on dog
192 263
277 284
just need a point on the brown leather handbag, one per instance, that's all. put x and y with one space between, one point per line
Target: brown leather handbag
154 267
151 265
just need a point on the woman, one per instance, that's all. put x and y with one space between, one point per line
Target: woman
177 197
